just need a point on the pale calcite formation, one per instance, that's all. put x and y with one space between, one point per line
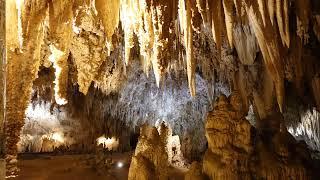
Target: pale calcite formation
150 158
245 43
22 67
87 48
109 12
2 80
235 151
157 149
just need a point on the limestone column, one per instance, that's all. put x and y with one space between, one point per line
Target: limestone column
2 87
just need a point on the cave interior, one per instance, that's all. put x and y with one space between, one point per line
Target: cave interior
159 89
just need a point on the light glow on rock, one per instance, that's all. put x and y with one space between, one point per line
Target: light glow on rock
58 137
55 56
19 4
108 143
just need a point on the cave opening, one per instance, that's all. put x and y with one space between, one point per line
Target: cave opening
159 89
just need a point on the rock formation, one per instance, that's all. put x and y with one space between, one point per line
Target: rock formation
156 150
236 150
264 49
150 159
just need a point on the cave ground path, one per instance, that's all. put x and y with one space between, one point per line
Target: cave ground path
74 167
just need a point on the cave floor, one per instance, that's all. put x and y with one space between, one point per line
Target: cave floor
75 167
68 167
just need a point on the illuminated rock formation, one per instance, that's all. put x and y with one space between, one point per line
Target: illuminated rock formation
22 68
236 151
157 149
150 158
2 78
261 48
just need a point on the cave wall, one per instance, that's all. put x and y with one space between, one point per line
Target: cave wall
139 101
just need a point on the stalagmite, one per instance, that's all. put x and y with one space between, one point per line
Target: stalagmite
235 151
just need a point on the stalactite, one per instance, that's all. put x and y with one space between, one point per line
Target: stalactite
127 16
307 128
109 12
245 43
201 5
60 36
303 9
188 34
88 48
12 17
270 49
228 7
282 14
216 10
271 10
58 58
238 6
262 9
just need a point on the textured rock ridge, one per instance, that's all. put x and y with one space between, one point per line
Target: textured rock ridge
150 158
237 151
156 151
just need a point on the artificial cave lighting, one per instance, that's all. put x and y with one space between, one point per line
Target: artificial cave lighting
57 137
55 57
160 89
120 164
108 143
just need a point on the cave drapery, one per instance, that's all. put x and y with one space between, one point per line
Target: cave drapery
257 47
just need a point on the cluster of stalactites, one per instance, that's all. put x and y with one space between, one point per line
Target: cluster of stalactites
152 23
158 25
269 20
